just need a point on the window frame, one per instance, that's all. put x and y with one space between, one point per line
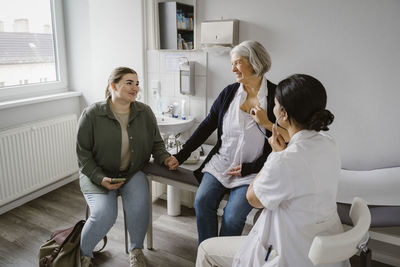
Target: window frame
14 92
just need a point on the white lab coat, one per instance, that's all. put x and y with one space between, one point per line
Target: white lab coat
297 187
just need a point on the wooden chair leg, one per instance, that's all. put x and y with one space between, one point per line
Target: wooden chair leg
126 236
149 235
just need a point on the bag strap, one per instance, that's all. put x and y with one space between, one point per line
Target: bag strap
104 245
78 229
75 232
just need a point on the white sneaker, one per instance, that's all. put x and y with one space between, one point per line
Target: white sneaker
136 258
86 261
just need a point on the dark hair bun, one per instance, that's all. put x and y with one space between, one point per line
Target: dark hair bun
320 120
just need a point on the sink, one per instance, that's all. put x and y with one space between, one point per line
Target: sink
174 126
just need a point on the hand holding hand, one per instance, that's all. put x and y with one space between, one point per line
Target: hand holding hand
259 115
171 162
106 182
235 171
276 141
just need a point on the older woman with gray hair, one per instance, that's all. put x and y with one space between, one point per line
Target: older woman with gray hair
241 149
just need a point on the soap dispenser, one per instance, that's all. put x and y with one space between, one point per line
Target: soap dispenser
186 77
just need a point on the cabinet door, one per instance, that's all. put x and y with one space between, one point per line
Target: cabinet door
176 19
168 27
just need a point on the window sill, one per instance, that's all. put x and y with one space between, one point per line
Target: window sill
39 99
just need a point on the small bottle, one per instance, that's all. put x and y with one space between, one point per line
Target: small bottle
158 104
176 110
183 116
180 42
179 18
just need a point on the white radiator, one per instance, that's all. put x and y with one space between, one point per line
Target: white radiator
36 155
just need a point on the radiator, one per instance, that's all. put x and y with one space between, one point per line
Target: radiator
36 155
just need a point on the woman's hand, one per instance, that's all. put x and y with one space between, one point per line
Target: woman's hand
235 171
260 116
276 141
171 162
106 182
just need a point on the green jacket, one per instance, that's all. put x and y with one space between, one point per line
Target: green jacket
99 144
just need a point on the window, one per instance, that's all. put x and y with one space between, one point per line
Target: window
32 50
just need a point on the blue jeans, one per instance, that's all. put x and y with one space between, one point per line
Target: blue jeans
208 197
104 211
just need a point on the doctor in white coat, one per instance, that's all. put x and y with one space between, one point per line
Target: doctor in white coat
296 188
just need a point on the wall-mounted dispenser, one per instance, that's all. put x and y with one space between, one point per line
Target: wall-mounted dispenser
186 77
220 32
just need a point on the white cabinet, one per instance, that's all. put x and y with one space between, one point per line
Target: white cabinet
176 23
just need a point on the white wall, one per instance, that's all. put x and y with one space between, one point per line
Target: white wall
102 35
350 46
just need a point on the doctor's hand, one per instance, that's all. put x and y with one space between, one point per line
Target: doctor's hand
106 182
235 171
276 141
260 116
171 162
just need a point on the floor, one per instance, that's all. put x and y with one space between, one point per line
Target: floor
24 229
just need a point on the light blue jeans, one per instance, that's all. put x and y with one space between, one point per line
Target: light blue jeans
208 197
104 211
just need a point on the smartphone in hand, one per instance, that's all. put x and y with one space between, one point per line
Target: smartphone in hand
117 180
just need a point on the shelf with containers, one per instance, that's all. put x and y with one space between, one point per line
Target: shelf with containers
176 23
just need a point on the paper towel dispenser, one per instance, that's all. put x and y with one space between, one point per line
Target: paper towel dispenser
220 32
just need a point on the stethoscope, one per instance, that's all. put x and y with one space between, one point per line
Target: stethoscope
276 122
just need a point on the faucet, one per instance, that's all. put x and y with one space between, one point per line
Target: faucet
170 110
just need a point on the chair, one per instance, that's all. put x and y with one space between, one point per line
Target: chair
340 247
105 238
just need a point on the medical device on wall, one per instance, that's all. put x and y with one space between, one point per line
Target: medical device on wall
186 76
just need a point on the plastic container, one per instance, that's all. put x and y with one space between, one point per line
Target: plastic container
180 42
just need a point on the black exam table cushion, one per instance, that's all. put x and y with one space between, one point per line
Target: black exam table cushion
381 216
180 174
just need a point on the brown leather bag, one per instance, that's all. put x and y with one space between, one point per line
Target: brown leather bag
63 248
